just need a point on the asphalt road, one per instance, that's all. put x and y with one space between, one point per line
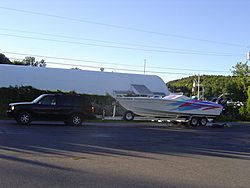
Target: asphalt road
49 154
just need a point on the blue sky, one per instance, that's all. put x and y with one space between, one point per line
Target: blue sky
176 38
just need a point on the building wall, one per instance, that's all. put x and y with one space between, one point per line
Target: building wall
80 81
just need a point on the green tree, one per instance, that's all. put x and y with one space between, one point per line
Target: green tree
16 62
41 63
245 110
241 74
241 89
76 68
4 59
29 61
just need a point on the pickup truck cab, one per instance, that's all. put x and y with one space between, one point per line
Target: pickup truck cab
71 109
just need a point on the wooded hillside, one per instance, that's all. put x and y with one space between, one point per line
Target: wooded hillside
210 85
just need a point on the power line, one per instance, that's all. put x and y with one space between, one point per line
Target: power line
120 27
108 63
78 38
148 71
127 70
118 69
112 69
120 47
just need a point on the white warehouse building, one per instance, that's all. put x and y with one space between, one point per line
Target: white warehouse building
82 81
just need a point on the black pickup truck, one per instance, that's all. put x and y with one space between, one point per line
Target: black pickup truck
71 109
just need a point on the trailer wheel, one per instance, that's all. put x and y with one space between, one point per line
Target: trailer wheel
194 121
203 121
128 116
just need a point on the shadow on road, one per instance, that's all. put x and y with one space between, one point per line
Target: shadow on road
142 140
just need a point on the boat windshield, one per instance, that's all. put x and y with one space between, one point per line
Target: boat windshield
179 97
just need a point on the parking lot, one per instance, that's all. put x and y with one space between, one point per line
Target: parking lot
115 154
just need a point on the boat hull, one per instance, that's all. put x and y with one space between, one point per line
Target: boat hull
160 107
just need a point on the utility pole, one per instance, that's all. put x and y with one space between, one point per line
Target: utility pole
198 95
144 66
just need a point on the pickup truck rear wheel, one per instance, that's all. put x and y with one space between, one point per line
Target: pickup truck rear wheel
75 119
24 118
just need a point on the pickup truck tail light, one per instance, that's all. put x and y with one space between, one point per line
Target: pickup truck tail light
92 109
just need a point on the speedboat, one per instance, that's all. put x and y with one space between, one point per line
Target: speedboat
178 106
